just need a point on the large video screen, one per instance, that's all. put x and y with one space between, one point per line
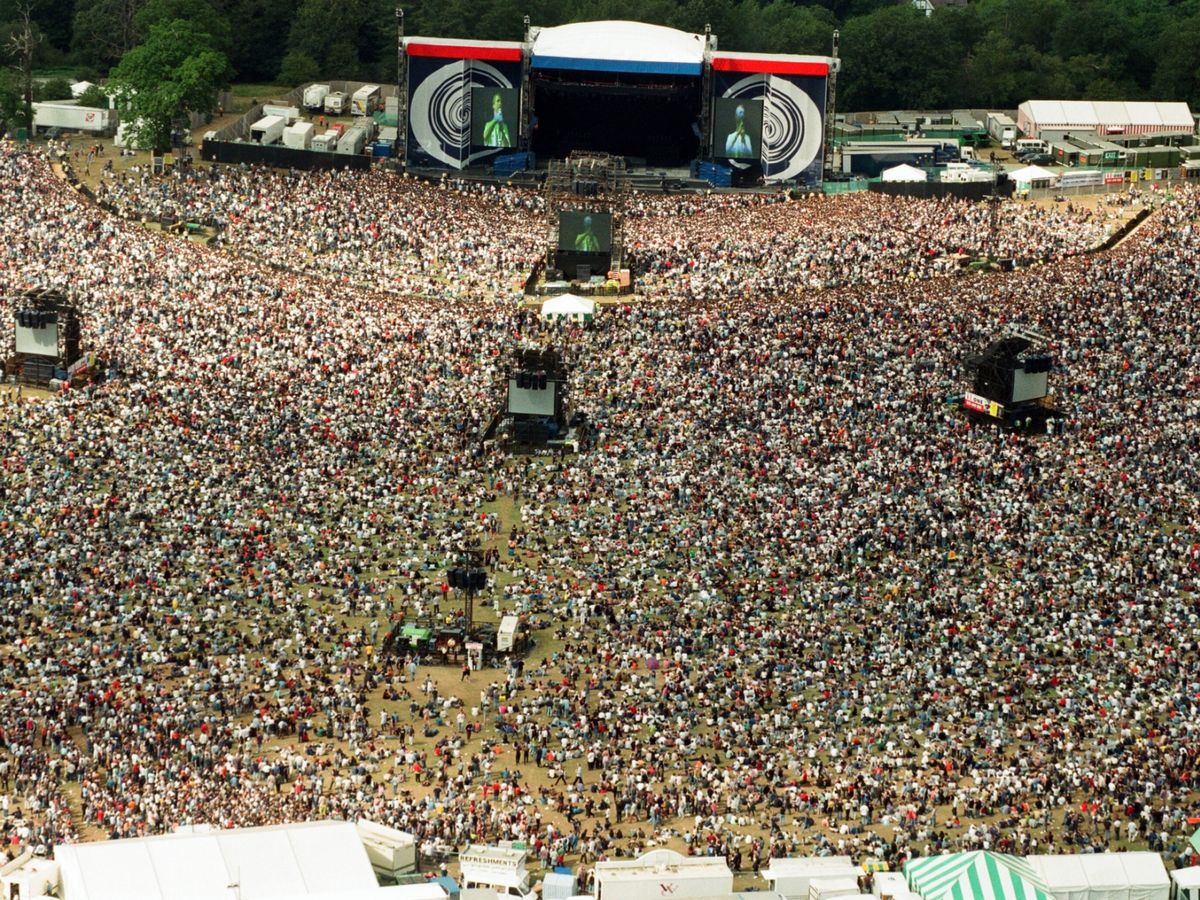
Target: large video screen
494 120
38 341
530 402
1027 386
585 232
737 128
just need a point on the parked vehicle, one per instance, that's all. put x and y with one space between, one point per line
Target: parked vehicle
314 96
336 103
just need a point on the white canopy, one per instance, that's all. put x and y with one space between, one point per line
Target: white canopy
1063 874
569 306
904 172
1030 174
294 861
1187 883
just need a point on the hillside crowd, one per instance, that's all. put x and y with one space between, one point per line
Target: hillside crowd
790 602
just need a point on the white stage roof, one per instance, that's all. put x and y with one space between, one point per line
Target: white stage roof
619 46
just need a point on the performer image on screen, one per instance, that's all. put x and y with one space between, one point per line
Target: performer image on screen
495 132
586 241
738 143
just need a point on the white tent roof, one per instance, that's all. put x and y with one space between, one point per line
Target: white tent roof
817 866
1106 876
1187 879
284 861
569 305
618 46
1146 875
79 87
1090 114
1032 173
903 172
1063 873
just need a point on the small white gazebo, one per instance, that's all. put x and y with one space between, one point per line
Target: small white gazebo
903 172
569 306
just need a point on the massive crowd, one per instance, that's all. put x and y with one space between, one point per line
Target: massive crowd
790 602
455 239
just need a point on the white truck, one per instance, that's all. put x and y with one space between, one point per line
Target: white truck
792 877
663 873
365 100
391 852
351 142
69 116
267 130
336 103
1002 129
314 96
501 869
289 114
298 136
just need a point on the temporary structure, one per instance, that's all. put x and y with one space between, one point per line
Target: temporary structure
297 860
1145 875
792 876
1032 177
903 172
1187 883
975 875
569 306
1064 875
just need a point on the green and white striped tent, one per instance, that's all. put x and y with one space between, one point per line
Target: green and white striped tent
975 875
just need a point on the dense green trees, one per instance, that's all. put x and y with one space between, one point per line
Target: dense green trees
176 70
988 53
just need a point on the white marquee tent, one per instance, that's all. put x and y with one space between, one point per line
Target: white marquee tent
1032 177
903 172
1104 876
569 306
1187 883
285 862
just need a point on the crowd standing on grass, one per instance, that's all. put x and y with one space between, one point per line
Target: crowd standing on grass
790 601
453 238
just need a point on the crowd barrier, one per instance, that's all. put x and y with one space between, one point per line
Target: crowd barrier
935 190
279 156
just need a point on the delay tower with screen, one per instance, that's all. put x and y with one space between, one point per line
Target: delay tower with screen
537 396
46 336
1010 380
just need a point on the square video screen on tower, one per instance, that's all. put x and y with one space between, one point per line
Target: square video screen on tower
494 121
737 128
585 231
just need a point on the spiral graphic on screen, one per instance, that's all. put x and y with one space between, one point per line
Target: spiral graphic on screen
440 110
791 124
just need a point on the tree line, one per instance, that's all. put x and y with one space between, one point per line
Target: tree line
987 53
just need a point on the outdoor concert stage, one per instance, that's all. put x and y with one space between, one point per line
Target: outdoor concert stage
658 98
